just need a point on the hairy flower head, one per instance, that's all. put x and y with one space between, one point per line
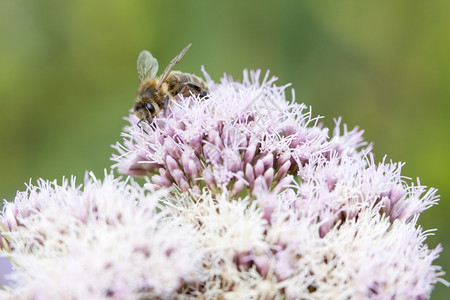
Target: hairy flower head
246 138
247 197
248 256
241 136
105 239
287 208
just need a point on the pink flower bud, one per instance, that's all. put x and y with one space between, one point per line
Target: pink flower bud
171 164
237 187
268 161
208 177
161 181
250 152
283 158
283 170
268 176
249 173
259 168
212 154
171 148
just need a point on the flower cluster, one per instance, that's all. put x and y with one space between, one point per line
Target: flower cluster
285 257
248 196
103 240
245 138
244 135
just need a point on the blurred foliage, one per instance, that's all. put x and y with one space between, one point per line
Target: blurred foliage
68 76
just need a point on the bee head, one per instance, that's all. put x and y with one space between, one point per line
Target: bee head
145 111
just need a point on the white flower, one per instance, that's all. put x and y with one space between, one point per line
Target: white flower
247 197
282 207
250 257
363 258
105 240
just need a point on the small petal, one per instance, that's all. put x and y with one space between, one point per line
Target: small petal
178 176
171 147
250 152
214 139
282 171
283 183
268 176
396 193
212 154
286 156
208 177
249 174
263 263
172 164
268 161
237 187
233 160
259 168
161 181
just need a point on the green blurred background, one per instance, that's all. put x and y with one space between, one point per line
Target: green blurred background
68 76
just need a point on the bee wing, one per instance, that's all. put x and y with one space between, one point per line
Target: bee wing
172 64
147 66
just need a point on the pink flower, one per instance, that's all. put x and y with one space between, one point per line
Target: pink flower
247 197
245 138
329 219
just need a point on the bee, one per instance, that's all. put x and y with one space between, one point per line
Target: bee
155 93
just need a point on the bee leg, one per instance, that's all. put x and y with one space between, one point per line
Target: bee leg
166 104
197 89
192 86
140 127
152 124
192 90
